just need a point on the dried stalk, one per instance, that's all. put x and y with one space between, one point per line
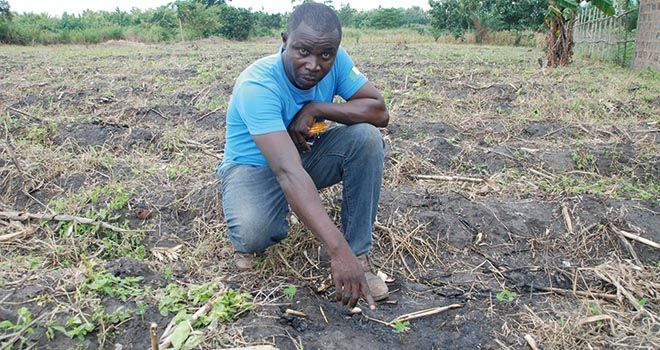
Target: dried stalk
448 178
24 216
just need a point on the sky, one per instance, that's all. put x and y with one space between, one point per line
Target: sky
56 8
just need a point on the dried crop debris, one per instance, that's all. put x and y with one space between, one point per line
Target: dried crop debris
509 190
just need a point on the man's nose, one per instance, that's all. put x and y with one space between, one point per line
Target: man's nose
313 64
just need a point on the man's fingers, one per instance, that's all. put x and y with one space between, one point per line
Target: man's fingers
346 296
367 296
355 295
337 291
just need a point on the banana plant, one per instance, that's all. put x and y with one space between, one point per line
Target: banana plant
560 18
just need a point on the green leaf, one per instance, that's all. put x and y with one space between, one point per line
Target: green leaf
570 4
193 341
180 334
604 5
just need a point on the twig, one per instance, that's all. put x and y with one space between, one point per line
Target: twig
207 114
323 314
637 238
153 335
628 246
424 313
534 171
567 219
24 216
578 292
21 112
159 113
447 178
291 312
531 342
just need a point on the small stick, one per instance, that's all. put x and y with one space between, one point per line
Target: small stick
628 246
531 342
534 171
23 216
21 112
638 238
447 178
593 319
207 114
424 313
153 334
159 113
567 219
323 314
578 292
291 312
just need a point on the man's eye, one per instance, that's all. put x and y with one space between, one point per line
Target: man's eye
326 56
304 52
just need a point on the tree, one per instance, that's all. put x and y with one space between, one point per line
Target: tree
4 10
346 15
236 23
560 19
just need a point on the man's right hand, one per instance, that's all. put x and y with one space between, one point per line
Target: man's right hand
350 282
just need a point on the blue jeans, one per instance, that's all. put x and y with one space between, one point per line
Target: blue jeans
255 207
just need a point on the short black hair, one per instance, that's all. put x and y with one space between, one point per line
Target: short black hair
319 17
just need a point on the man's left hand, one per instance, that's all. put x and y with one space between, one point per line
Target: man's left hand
299 127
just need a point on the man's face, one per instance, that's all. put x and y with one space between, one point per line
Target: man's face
308 55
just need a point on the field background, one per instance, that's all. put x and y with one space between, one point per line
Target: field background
560 165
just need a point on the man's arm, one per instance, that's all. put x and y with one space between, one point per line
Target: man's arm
305 201
367 105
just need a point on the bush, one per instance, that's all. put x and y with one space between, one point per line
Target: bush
236 23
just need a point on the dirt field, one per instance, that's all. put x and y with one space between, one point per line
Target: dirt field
547 176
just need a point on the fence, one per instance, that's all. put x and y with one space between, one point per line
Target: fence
608 38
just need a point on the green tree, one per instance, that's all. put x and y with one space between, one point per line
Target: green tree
347 15
236 23
4 10
382 18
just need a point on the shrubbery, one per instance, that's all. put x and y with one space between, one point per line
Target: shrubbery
194 19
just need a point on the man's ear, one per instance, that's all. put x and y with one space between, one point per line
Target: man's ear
285 36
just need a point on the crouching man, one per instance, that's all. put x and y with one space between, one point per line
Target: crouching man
274 160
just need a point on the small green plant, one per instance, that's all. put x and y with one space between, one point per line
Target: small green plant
584 160
22 323
642 302
105 283
290 292
506 295
173 301
400 327
227 307
75 327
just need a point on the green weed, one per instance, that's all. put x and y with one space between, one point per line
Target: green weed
506 295
106 283
22 323
290 292
400 327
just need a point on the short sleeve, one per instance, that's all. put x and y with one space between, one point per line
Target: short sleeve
260 108
349 79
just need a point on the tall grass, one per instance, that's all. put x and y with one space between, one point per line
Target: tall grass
426 35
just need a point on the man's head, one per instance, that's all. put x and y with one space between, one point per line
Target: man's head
310 44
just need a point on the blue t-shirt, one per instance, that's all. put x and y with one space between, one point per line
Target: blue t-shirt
265 101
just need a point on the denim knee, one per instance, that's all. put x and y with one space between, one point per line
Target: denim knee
252 232
369 139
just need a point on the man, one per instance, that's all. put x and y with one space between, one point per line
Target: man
270 162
